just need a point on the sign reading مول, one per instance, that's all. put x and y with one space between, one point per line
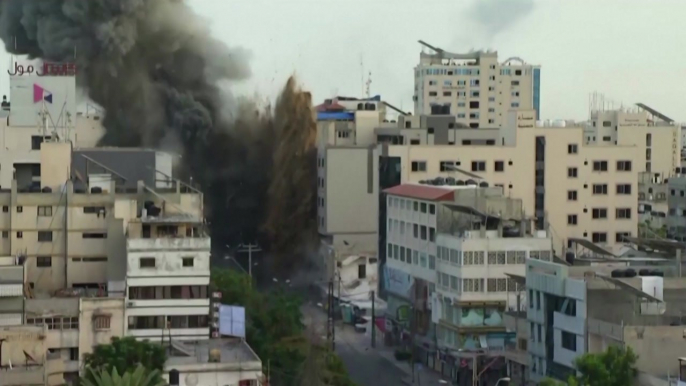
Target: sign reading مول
47 69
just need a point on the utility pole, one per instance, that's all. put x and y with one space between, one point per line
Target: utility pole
330 330
373 320
250 248
413 324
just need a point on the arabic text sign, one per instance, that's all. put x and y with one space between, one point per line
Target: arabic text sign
46 69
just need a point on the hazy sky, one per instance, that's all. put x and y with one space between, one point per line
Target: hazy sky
629 50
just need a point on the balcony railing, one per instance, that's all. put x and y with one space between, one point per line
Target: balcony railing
169 243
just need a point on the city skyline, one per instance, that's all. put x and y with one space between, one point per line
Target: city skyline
617 59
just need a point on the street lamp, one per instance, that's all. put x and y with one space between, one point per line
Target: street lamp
506 379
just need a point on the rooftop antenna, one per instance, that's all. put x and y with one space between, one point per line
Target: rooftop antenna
368 83
362 73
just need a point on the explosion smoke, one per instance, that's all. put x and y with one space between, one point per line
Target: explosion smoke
155 69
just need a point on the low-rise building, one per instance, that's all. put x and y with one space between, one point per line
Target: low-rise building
215 362
573 310
450 250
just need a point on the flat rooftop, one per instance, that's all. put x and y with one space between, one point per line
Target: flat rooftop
234 353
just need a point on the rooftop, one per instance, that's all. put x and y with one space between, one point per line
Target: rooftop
178 218
427 192
234 354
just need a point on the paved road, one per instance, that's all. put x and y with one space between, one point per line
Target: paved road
365 366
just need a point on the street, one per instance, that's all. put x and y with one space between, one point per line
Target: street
367 366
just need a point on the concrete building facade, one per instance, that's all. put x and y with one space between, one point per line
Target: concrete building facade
474 87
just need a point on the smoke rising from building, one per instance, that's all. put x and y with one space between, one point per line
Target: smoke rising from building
155 69
496 16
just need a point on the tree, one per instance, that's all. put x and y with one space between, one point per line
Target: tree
647 230
126 355
276 333
614 367
139 377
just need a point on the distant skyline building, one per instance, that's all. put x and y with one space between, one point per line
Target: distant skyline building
474 87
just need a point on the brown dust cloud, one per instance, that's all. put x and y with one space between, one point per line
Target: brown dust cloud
162 80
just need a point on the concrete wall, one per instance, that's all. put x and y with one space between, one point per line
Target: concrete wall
349 198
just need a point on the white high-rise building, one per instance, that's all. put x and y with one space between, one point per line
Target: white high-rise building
474 87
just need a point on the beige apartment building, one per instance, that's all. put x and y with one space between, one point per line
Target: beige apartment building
474 87
656 134
574 189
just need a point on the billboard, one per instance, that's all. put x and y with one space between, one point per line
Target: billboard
232 321
398 282
31 94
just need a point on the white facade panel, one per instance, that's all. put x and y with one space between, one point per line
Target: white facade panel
11 290
162 281
11 319
168 311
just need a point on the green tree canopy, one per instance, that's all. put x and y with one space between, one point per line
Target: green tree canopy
126 355
275 330
139 377
614 367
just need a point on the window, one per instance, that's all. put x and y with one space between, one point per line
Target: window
418 166
36 141
649 153
422 232
571 219
432 234
20 209
362 271
623 213
45 236
514 104
432 93
478 166
572 172
599 213
514 83
44 211
571 195
620 237
101 322
90 235
5 209
432 209
93 209
415 232
5 234
599 188
188 261
422 207
599 237
623 188
649 140
147 262
20 235
572 148
607 123
599 166
568 341
499 166
73 353
623 166
43 261
447 93
415 206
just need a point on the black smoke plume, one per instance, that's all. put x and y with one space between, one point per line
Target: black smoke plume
161 78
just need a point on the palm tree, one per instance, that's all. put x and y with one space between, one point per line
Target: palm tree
139 377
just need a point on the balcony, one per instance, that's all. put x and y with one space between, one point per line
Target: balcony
569 323
11 281
168 243
34 375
